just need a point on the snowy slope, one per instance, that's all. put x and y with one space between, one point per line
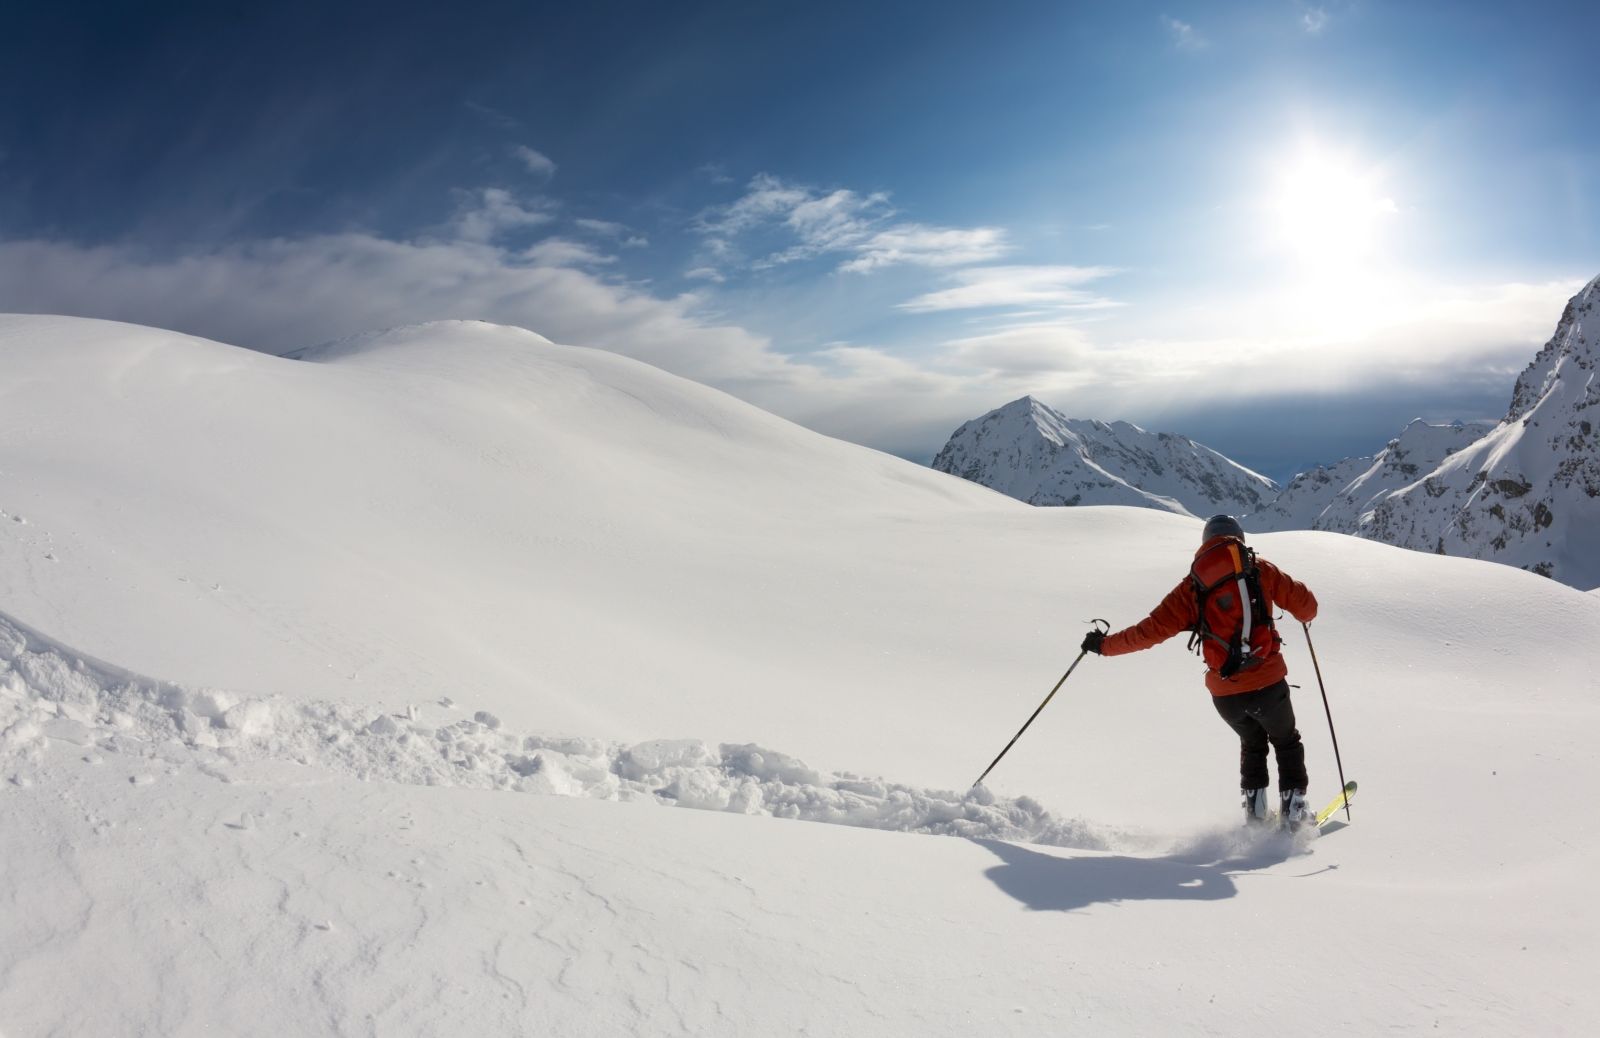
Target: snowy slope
1034 453
1528 493
486 607
1335 497
456 506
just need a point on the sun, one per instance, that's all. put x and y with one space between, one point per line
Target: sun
1328 210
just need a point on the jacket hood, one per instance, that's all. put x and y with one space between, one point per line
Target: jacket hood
1213 542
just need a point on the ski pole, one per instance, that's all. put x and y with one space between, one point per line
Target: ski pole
1329 711
1037 712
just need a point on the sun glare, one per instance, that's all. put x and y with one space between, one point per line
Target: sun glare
1328 210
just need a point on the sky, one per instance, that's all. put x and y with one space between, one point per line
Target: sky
1281 228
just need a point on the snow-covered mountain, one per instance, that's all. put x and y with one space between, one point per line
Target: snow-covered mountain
1528 493
1034 453
452 681
1335 497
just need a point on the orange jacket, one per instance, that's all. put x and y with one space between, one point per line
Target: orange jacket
1179 611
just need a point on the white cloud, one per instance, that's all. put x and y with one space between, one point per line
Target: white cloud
1011 286
711 274
766 199
603 228
928 246
280 294
538 162
1314 19
1410 331
562 252
490 212
1184 35
611 229
842 222
1045 347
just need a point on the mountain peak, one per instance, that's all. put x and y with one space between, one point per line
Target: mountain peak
1029 450
1337 497
1575 345
1527 493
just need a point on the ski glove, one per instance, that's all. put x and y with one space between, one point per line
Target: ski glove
1092 640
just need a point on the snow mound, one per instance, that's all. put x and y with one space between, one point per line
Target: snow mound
48 692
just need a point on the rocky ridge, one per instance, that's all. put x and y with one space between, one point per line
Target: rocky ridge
1032 452
1528 493
1336 497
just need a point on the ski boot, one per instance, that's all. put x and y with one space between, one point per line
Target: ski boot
1294 811
1255 806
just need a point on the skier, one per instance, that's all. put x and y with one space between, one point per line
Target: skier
1226 604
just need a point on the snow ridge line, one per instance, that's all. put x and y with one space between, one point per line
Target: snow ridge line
50 695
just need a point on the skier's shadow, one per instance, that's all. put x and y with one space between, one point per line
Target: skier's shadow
1046 883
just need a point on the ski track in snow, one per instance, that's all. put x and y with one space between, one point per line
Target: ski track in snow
50 694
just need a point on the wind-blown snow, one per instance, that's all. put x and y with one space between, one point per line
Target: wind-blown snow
435 623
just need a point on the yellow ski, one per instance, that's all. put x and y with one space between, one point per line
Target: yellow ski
1338 804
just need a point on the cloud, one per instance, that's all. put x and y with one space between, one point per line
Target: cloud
1314 19
280 294
487 213
928 247
1408 331
1184 35
711 274
603 228
537 162
1046 347
612 229
767 198
1010 286
560 252
795 223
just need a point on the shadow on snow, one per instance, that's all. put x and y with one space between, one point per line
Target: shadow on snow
1204 871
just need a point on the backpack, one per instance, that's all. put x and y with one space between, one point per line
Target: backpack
1234 631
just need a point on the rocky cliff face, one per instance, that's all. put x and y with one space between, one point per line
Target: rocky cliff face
1034 453
1527 493
1336 497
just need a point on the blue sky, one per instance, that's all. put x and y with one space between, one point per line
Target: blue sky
879 219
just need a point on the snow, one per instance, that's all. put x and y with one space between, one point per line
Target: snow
432 747
355 691
1034 453
1338 497
1528 493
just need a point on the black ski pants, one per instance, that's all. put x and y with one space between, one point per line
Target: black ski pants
1260 717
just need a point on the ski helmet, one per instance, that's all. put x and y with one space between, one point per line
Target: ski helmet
1222 526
